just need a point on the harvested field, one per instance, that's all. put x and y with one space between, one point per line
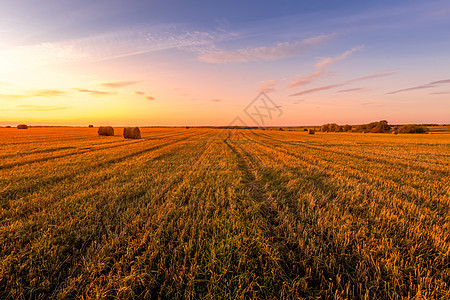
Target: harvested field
217 213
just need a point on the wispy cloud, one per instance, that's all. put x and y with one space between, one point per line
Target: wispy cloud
96 93
440 93
216 100
350 90
150 98
331 86
327 61
111 45
266 88
49 93
119 84
278 51
372 76
41 107
317 89
12 96
321 66
421 87
442 12
139 93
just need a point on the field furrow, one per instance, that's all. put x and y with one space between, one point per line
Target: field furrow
224 213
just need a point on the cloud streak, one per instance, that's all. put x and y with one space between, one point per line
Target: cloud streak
266 88
41 107
111 45
421 87
278 51
350 90
321 67
119 84
49 93
331 86
96 93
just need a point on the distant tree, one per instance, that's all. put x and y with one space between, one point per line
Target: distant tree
412 128
324 128
347 128
333 127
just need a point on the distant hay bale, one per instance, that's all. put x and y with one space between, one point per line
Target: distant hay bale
22 126
131 133
90 126
430 132
394 132
311 131
106 130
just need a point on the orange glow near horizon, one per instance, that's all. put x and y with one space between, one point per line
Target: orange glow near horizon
171 74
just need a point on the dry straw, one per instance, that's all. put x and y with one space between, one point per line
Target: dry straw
106 130
131 133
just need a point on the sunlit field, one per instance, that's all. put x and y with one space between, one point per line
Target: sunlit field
223 213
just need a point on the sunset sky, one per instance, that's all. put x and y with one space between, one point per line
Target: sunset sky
116 62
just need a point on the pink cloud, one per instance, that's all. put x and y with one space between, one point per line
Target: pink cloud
372 76
216 100
321 66
326 62
139 93
266 88
306 79
421 87
150 98
119 84
327 87
96 93
350 90
279 51
317 89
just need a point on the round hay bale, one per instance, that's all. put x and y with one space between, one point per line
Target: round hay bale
22 126
106 130
91 126
131 133
393 132
311 131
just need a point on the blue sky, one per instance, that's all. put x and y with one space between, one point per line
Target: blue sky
202 62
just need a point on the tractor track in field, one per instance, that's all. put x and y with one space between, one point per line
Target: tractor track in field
22 191
255 187
83 151
323 165
323 161
435 237
422 211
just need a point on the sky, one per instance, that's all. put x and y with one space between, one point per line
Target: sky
266 63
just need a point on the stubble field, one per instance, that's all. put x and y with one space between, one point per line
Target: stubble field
220 213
